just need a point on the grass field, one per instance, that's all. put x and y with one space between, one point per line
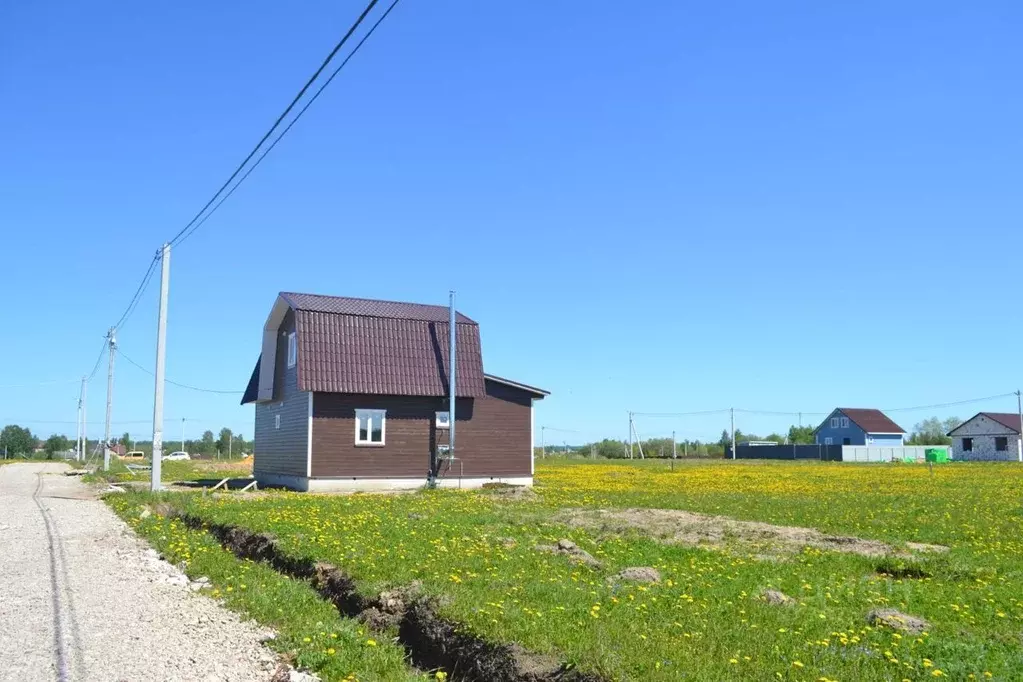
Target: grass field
171 471
705 619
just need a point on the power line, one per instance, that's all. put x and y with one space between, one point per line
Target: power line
679 414
181 235
955 404
99 360
175 383
289 126
138 292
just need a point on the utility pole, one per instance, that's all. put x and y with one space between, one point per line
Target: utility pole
85 420
674 449
630 435
161 352
732 411
230 444
78 438
1019 441
111 350
543 443
182 434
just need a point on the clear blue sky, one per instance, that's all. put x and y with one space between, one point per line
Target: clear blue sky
665 207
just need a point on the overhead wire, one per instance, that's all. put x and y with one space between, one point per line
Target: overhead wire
176 383
290 125
138 292
181 235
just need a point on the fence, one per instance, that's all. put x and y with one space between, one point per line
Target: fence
830 453
865 453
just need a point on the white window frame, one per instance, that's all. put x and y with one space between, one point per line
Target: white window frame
845 422
277 421
443 419
292 350
372 414
834 422
828 441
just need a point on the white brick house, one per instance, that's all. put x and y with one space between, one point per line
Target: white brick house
987 436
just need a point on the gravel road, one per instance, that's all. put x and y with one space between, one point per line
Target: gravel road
82 598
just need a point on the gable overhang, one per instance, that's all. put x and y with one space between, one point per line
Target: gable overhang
532 390
268 360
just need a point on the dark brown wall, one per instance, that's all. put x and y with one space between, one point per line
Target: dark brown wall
283 450
493 436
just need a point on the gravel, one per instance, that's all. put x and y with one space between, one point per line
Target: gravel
82 598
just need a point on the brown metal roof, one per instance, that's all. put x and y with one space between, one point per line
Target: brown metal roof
354 345
366 307
871 421
385 356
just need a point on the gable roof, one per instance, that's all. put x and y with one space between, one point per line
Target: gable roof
870 420
368 307
354 345
1009 420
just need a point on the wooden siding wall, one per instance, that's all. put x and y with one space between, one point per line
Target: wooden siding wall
492 435
283 450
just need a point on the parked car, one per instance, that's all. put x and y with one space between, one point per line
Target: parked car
176 456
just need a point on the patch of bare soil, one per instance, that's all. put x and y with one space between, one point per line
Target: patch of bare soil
573 552
687 528
896 620
506 491
776 598
638 574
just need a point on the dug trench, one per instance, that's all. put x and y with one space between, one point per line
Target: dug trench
431 641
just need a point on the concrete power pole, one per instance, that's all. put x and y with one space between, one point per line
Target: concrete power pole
732 411
543 443
111 351
674 448
85 420
452 361
161 351
630 435
78 440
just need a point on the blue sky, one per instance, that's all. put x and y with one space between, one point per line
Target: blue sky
664 208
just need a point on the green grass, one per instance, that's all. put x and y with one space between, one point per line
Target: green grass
704 620
310 631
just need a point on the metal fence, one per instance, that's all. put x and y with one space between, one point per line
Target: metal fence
829 453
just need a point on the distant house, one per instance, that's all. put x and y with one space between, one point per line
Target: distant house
987 436
858 426
353 394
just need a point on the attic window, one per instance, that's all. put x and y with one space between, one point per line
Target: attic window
369 427
845 422
834 422
292 350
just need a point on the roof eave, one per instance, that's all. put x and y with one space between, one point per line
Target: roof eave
515 384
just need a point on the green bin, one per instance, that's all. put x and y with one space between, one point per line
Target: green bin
936 455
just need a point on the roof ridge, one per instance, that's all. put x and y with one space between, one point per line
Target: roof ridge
361 298
364 307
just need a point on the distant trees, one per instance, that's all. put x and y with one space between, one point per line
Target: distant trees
125 440
224 441
55 444
17 440
801 435
932 431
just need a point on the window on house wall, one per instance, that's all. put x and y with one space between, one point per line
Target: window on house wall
845 422
292 350
1001 443
834 422
443 420
828 441
846 441
277 421
369 427
967 445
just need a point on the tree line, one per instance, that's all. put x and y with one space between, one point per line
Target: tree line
19 441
